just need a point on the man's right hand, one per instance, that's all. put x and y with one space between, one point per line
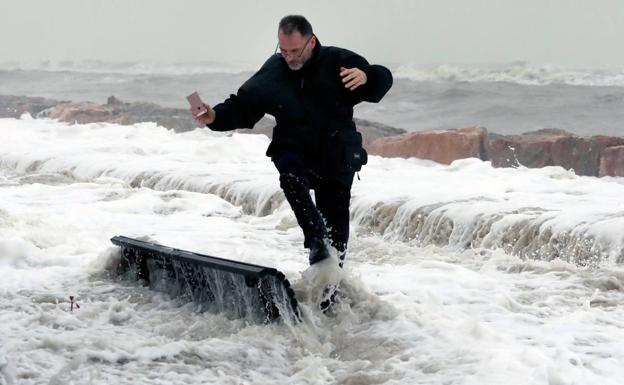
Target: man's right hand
206 118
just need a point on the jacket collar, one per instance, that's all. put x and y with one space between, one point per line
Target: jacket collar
315 54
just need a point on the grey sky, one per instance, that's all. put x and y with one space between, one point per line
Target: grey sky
569 33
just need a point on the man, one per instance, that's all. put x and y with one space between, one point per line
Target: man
311 91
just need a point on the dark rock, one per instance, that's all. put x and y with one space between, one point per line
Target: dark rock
263 127
372 131
113 101
12 106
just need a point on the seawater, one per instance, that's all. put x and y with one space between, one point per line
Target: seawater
458 274
506 99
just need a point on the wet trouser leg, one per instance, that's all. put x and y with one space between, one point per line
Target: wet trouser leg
332 200
295 182
329 217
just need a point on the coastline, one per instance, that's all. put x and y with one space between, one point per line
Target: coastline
596 155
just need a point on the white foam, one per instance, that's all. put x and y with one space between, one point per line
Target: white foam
515 72
129 68
518 72
534 213
414 312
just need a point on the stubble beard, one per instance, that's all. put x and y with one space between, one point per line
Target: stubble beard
298 64
295 66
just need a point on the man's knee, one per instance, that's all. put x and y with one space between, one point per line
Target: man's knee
292 183
292 169
289 163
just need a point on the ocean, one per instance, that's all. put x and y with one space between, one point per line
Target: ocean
455 274
506 99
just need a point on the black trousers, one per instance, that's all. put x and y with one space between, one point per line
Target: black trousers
328 217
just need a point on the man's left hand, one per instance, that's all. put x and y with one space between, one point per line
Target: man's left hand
352 78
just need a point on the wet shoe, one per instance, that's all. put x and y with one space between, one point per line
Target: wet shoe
331 296
318 251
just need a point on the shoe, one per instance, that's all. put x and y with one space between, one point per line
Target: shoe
331 296
318 251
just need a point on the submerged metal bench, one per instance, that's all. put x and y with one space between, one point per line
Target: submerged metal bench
239 289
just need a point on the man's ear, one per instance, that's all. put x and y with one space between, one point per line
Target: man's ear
313 41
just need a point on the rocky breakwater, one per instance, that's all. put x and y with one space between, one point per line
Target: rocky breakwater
12 106
117 111
612 161
555 148
114 111
442 146
593 156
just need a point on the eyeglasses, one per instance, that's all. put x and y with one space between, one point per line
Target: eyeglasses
284 52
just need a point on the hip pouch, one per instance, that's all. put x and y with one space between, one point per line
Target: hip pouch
353 154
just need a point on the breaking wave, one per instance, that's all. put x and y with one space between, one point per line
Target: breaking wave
537 214
517 72
530 233
128 68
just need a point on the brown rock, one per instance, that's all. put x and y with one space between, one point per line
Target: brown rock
118 111
612 162
595 156
550 148
440 146
83 112
530 150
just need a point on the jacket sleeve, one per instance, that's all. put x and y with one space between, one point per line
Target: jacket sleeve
378 78
242 110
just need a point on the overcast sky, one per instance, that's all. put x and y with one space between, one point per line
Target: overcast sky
572 33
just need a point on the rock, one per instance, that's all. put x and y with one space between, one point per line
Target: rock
585 157
594 156
84 112
550 147
529 150
612 161
117 111
12 106
440 146
372 131
112 100
263 127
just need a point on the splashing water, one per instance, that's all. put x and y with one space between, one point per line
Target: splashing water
460 274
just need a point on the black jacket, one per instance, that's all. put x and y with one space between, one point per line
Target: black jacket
312 108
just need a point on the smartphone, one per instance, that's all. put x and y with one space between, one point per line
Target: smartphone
197 104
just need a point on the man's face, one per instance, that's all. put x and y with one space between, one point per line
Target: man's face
295 49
